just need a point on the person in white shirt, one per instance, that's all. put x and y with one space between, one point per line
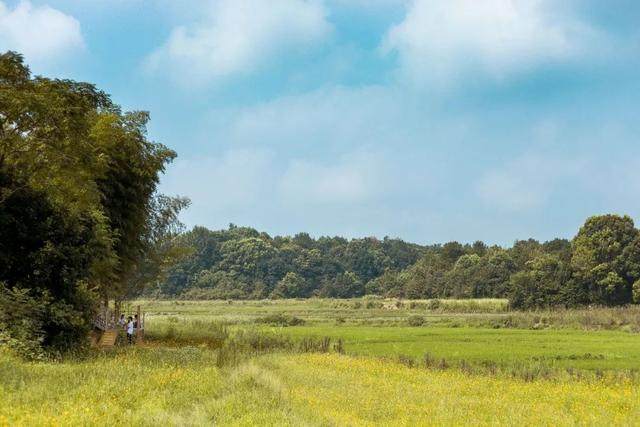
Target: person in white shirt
130 330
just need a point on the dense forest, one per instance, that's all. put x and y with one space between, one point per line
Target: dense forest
601 265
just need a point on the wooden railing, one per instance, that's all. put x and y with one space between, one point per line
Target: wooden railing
105 319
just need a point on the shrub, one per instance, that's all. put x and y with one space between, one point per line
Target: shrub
374 304
434 304
280 319
21 327
415 320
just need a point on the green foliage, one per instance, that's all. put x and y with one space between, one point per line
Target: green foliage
604 260
292 285
21 318
415 320
242 263
44 258
543 283
599 267
345 285
280 319
636 292
426 279
79 213
127 186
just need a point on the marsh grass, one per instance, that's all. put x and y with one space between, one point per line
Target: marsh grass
595 318
370 311
522 370
233 345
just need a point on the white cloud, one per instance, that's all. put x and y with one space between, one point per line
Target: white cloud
237 179
442 41
352 180
41 33
333 150
520 186
529 181
236 36
331 118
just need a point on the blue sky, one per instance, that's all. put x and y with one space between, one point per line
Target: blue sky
430 120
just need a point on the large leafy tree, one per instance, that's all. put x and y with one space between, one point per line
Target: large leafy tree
127 186
76 198
602 252
45 133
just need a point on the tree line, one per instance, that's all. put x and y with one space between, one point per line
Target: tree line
600 266
80 218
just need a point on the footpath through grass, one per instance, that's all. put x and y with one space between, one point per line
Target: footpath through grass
156 386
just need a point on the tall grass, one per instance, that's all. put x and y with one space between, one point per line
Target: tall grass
183 386
595 318
525 370
233 346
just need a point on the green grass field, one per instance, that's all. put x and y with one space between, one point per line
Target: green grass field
492 313
556 348
448 335
220 363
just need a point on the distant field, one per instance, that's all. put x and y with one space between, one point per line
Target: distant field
322 310
492 313
457 337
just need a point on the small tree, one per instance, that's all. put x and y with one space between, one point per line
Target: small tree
345 285
291 285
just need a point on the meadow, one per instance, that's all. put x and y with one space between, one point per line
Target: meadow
325 362
491 313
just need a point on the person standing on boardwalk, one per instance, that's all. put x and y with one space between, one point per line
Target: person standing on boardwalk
130 330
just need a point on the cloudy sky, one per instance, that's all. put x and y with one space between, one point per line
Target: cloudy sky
430 120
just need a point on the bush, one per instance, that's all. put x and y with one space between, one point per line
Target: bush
45 254
32 321
415 320
434 304
280 320
21 327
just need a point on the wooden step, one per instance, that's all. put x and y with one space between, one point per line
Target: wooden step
108 338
